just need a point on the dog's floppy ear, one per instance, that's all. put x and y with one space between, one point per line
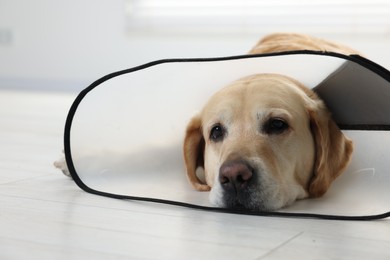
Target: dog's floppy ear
333 150
193 150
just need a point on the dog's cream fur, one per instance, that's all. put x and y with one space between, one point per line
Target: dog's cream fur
280 42
297 163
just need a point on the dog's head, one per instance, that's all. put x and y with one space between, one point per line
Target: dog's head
263 142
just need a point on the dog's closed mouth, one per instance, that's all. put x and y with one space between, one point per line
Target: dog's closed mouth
243 200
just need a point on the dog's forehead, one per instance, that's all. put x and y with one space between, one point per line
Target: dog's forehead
258 91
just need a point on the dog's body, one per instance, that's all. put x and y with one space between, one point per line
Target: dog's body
280 42
265 140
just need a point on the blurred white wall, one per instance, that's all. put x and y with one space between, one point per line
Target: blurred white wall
65 45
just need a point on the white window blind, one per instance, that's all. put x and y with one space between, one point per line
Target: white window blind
247 16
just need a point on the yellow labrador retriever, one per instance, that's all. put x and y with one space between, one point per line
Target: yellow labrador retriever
266 140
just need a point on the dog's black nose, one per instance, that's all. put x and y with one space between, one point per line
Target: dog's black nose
235 175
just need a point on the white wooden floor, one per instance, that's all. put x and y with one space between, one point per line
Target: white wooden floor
44 215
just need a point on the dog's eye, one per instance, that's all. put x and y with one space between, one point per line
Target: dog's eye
217 133
275 126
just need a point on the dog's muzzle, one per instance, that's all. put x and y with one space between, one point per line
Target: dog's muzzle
237 178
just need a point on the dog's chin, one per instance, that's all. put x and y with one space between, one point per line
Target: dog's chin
251 205
245 201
